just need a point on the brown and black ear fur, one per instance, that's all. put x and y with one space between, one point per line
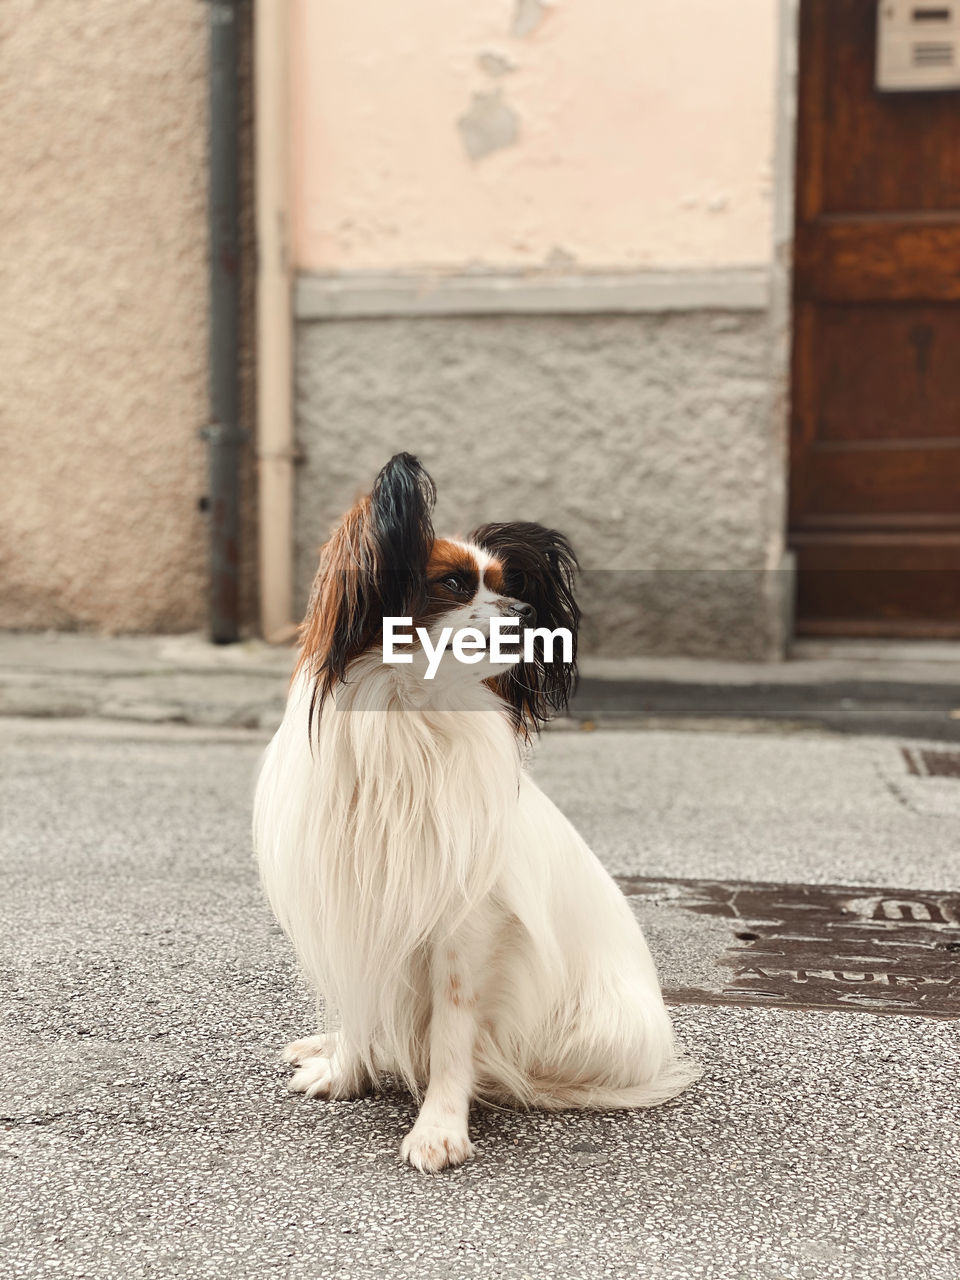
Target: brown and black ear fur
373 566
539 568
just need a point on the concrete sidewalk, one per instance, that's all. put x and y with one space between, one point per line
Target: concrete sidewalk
151 679
913 690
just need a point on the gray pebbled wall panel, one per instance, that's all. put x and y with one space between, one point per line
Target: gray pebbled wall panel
649 439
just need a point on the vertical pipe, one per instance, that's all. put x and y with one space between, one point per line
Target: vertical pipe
276 446
780 564
223 434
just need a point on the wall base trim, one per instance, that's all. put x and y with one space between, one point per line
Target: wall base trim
355 295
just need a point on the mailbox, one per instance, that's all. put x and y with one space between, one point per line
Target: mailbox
918 45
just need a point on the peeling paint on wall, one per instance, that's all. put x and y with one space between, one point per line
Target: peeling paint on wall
527 16
621 128
488 125
495 64
560 259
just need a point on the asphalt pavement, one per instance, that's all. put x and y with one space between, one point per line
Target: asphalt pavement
147 1130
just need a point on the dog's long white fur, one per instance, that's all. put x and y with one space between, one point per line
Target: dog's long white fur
465 934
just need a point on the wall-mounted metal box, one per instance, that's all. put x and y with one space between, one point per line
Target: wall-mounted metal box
918 45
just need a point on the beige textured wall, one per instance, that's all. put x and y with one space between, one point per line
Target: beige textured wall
521 133
104 314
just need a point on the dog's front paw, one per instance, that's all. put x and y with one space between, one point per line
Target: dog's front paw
298 1051
432 1147
321 1077
314 1079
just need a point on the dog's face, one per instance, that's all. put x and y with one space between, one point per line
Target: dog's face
385 561
466 587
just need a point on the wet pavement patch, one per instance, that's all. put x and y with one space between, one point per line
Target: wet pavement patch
818 946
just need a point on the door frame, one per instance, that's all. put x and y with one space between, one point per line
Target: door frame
781 277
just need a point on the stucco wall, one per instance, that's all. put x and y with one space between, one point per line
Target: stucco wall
104 314
515 133
647 439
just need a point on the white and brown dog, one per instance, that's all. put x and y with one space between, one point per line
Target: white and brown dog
467 938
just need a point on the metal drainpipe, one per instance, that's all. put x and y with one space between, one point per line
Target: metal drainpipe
276 438
224 435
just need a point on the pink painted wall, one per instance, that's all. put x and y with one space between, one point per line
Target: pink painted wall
631 133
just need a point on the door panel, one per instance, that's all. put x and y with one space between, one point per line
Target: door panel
869 585
885 372
867 152
881 481
879 259
875 434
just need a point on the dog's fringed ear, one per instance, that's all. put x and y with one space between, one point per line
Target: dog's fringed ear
372 567
540 568
402 507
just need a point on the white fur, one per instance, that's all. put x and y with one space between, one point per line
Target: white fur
465 934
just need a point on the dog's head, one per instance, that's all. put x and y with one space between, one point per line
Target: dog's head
384 561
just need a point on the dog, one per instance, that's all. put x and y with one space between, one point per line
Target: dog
466 937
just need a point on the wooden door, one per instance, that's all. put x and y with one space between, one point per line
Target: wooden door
875 434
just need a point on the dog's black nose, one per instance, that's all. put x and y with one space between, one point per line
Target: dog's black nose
525 612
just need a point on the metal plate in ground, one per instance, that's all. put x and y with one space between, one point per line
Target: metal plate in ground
923 763
817 946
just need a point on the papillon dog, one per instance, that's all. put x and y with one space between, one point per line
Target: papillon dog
463 936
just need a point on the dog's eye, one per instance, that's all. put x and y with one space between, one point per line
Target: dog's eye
454 584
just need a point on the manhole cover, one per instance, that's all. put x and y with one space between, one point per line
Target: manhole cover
823 946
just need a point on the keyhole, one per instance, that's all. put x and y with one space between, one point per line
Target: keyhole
921 339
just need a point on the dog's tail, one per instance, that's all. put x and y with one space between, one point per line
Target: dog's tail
546 1093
